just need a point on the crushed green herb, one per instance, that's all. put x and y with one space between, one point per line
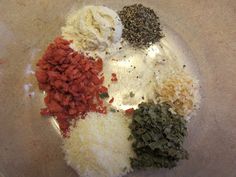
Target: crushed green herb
131 94
141 25
113 110
104 95
158 136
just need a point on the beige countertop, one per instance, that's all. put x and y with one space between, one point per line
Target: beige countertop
30 147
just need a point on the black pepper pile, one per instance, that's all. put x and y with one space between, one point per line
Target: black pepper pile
141 25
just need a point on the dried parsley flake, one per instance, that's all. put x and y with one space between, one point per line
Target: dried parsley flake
103 95
158 137
131 94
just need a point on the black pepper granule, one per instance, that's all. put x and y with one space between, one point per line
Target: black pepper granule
141 25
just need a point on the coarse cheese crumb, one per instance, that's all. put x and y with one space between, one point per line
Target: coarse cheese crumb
98 146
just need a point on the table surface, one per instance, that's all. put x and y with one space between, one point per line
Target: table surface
30 147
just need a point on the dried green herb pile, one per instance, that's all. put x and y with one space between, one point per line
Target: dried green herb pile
141 25
158 137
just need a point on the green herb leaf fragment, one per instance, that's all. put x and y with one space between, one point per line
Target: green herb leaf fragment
113 110
131 94
103 95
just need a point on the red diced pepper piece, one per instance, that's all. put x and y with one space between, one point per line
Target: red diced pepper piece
129 111
111 100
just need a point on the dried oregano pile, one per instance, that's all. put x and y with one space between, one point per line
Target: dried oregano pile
141 25
157 136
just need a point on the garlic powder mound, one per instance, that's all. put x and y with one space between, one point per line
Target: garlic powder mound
98 146
93 28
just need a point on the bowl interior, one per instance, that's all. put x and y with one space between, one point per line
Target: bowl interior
30 146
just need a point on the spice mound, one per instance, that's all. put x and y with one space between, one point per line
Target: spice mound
72 83
141 25
93 27
158 137
98 146
180 91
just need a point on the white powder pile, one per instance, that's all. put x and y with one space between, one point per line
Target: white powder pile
98 146
93 28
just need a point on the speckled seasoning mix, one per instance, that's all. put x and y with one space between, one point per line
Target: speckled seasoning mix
120 96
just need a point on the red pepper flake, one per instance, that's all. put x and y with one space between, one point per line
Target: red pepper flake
114 77
45 112
103 89
129 111
72 82
111 100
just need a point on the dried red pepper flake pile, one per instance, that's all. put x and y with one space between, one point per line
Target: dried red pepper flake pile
72 82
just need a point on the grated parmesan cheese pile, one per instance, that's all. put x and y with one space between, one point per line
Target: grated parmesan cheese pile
98 146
